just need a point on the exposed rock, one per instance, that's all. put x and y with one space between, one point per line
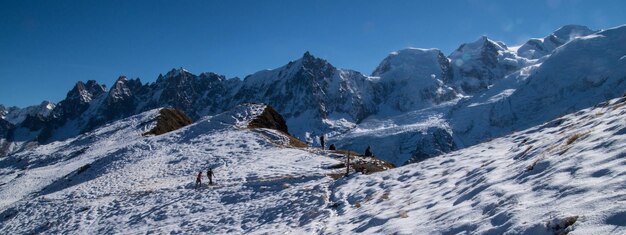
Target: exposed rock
270 119
5 130
169 120
359 163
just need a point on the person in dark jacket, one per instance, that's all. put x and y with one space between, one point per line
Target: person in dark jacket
368 151
199 179
209 173
322 141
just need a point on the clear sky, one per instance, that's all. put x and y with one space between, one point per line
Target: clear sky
46 46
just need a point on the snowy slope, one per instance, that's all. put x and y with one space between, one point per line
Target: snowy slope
113 180
529 182
567 173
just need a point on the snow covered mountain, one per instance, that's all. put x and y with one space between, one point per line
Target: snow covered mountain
480 64
539 47
313 95
414 78
500 141
501 93
418 103
563 176
579 74
16 115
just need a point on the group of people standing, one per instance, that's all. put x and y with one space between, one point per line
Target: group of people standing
209 174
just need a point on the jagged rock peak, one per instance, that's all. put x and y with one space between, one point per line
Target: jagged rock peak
307 56
85 92
212 76
177 72
121 78
176 77
46 107
120 89
309 61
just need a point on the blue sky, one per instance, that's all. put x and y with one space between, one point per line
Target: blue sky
46 46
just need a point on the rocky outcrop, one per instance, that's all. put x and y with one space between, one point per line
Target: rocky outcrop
270 119
169 120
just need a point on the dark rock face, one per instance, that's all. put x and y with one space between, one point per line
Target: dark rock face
34 123
309 84
270 119
122 98
435 141
169 120
78 99
3 111
5 127
195 95
88 106
5 136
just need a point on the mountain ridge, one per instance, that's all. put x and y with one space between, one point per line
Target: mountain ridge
316 98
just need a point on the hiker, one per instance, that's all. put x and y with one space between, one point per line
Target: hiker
209 173
348 164
322 141
368 151
199 179
332 147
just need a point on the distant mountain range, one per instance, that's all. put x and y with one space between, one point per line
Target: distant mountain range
417 103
